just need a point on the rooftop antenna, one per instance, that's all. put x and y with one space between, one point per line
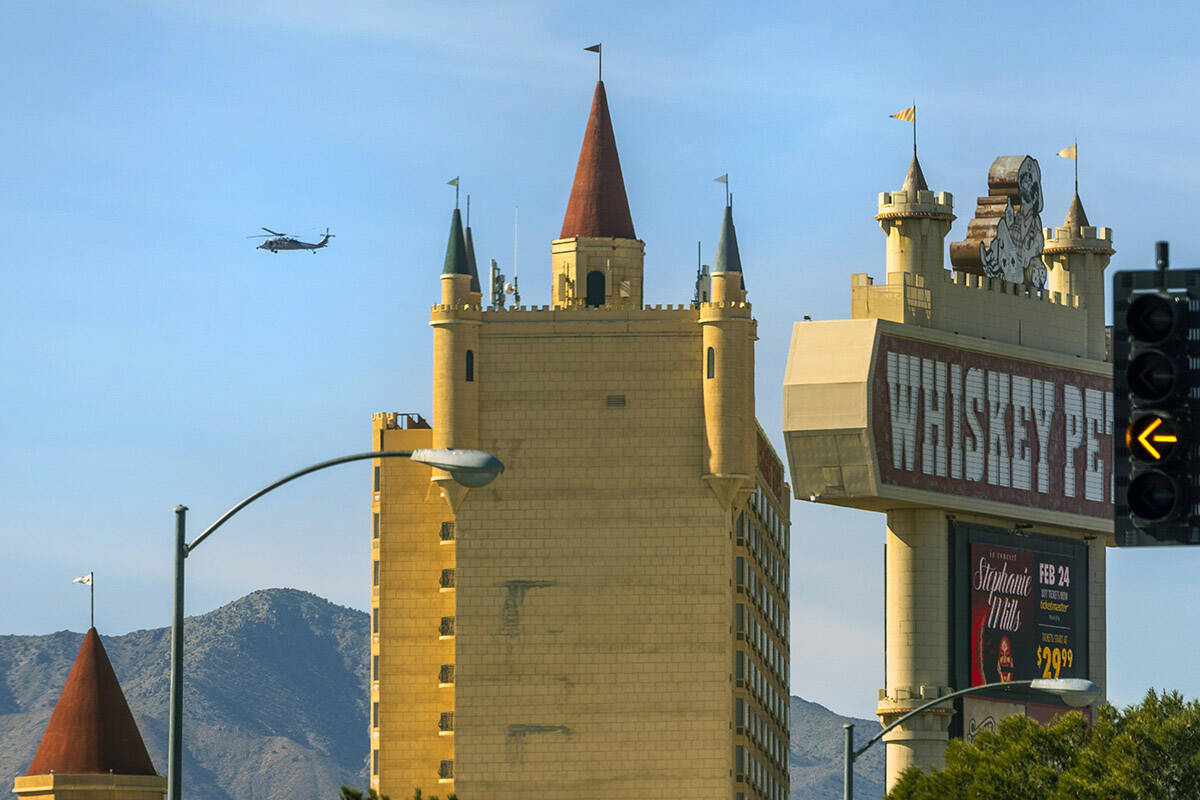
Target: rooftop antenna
516 228
600 61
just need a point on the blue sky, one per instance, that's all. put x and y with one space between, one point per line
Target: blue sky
152 357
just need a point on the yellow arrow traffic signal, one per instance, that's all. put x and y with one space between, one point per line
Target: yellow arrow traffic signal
1147 438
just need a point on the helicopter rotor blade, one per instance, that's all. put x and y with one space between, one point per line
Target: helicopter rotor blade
276 233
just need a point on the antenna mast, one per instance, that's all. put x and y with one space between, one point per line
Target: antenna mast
516 229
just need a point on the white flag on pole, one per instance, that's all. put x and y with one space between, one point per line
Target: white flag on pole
86 580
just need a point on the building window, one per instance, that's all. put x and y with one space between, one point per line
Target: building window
375 577
446 770
711 358
595 288
740 760
739 712
740 672
377 479
375 715
374 762
375 525
447 579
470 365
741 618
375 668
446 674
447 532
374 620
446 721
447 626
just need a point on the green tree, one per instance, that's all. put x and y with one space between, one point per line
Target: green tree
355 794
1148 751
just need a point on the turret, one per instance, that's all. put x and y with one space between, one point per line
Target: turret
91 746
598 259
1076 254
727 370
456 358
915 221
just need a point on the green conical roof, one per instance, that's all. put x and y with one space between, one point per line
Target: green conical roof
456 249
728 259
471 265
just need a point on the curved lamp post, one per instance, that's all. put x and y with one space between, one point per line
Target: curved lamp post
1075 692
467 467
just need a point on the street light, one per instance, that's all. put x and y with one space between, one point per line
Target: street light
471 468
1075 692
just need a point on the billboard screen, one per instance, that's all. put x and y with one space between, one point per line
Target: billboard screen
1020 605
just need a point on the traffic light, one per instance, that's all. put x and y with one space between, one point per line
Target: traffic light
1156 339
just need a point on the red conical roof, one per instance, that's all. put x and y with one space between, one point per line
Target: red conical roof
91 729
598 206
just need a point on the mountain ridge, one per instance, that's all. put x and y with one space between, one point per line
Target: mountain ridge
276 702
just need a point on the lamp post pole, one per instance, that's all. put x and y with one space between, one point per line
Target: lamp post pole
468 467
1077 692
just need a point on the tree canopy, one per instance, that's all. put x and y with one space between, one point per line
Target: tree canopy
1148 751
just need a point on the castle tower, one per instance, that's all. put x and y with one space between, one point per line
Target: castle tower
1076 254
915 221
455 355
91 746
613 611
729 370
597 260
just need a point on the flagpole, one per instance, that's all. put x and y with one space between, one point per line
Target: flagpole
92 592
914 128
1076 159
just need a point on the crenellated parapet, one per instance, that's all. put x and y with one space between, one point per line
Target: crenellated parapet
1076 256
915 204
1086 239
915 222
975 305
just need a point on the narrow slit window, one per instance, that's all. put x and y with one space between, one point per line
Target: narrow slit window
470 365
712 362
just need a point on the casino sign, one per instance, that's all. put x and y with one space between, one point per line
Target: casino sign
879 415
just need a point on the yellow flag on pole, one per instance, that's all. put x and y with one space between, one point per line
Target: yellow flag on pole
908 115
1068 152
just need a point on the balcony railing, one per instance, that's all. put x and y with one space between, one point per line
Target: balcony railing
446 770
447 532
446 673
446 721
447 580
447 627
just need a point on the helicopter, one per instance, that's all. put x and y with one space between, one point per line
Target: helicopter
276 241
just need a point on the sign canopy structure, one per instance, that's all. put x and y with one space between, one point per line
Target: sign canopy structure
974 406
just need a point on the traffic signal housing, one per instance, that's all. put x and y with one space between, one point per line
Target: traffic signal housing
1156 339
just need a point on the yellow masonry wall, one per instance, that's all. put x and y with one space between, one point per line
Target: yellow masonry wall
409 604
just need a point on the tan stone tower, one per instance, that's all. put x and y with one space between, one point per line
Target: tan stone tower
976 412
91 747
610 617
